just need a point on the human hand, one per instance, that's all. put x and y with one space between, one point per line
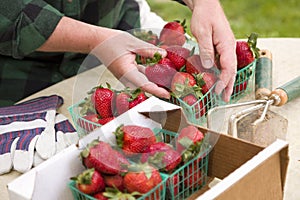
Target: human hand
212 31
118 54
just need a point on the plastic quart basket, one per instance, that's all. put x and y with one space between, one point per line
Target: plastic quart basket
244 82
197 112
157 193
82 125
189 178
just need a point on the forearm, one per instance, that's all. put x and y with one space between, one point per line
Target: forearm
75 36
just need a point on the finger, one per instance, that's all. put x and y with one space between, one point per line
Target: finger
157 91
146 49
206 47
135 78
228 90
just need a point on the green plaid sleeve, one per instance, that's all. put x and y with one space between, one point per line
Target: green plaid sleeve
25 25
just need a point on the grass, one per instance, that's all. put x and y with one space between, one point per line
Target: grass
268 18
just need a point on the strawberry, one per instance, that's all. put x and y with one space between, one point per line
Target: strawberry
194 65
178 55
240 87
101 156
206 81
86 125
166 61
175 182
246 51
114 181
89 181
137 97
100 196
127 99
162 156
192 177
134 139
122 102
103 121
183 84
189 142
199 108
160 74
173 33
147 36
142 178
103 98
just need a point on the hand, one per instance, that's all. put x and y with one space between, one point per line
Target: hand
118 53
213 33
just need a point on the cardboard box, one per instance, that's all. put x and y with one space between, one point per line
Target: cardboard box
247 171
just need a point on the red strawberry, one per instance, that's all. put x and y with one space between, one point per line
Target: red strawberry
193 176
183 84
122 102
173 33
206 81
240 87
175 181
103 99
194 65
147 36
114 181
101 156
246 52
162 156
178 55
127 99
86 125
166 61
103 121
134 139
199 108
89 181
137 97
189 142
100 196
160 74
142 178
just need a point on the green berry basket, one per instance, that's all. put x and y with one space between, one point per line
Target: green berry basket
197 112
157 193
82 125
191 176
244 82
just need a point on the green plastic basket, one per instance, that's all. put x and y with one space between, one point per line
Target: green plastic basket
197 112
82 125
157 193
190 177
244 82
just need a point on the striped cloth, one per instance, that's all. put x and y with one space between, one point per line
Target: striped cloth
32 128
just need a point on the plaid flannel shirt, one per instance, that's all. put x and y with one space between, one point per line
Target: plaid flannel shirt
26 25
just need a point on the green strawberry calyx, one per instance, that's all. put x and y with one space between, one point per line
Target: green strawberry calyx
119 133
252 42
114 193
85 177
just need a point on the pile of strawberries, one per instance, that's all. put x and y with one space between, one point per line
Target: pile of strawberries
103 104
134 167
181 71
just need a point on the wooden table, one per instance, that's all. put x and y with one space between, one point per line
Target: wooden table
286 59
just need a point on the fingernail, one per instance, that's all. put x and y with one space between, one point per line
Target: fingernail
207 63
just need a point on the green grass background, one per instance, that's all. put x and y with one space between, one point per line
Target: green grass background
268 18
